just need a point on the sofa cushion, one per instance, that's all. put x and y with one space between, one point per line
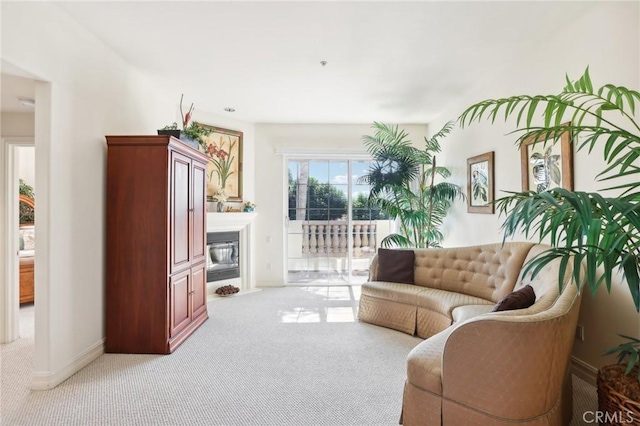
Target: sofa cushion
444 302
395 292
386 313
424 362
396 265
465 312
430 322
520 299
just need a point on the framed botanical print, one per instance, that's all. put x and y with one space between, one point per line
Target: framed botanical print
547 162
224 171
480 184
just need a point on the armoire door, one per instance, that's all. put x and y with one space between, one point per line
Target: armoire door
180 306
180 214
199 232
199 289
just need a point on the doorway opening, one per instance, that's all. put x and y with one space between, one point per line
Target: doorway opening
20 246
17 218
26 239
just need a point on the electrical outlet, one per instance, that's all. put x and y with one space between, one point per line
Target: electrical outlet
580 332
269 266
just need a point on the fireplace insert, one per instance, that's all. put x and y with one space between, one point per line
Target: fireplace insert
224 255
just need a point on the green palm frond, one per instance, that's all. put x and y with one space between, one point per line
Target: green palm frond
443 172
391 134
424 158
602 232
630 350
394 159
392 210
395 240
432 144
396 166
445 191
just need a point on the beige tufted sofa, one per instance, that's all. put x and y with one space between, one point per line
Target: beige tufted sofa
478 367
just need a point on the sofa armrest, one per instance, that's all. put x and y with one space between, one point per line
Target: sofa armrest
373 269
510 364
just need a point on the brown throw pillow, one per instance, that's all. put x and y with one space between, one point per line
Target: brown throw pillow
520 299
396 265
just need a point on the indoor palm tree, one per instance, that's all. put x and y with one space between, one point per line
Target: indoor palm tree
403 185
598 229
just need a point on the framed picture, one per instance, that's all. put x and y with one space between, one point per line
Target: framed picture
547 163
480 184
224 171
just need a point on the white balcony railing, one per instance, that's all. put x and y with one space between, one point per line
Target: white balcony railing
317 238
320 237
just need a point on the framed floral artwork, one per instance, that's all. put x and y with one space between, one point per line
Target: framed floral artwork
480 183
224 171
547 162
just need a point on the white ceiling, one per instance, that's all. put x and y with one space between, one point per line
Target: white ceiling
387 61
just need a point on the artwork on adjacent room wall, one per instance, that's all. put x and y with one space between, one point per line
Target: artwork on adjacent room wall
547 162
224 171
480 184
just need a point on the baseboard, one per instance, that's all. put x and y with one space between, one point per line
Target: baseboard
45 380
270 284
585 371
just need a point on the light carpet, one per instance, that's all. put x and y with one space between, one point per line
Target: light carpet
283 356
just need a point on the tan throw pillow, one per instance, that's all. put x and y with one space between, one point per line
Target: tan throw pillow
396 265
520 299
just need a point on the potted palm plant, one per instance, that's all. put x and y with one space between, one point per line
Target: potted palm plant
404 185
593 228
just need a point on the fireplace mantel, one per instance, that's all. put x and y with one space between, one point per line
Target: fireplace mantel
229 221
243 223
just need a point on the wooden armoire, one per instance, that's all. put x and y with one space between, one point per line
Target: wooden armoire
156 293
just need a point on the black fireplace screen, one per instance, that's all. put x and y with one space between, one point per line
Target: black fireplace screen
224 255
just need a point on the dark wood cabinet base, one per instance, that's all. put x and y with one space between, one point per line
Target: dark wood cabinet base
177 341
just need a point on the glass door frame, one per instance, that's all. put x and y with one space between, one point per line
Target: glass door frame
318 155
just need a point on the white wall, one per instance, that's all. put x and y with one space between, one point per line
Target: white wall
248 147
21 124
271 180
17 124
92 93
607 39
27 165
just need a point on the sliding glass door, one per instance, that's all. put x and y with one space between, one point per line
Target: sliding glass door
332 233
